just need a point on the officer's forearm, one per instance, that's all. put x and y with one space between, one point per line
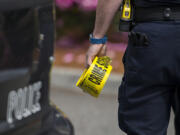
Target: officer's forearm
105 12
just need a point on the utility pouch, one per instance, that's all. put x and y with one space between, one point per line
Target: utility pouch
138 39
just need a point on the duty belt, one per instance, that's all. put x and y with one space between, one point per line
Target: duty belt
156 14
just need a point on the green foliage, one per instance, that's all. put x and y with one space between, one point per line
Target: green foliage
78 24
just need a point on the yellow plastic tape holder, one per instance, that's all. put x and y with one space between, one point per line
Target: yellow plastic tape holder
94 78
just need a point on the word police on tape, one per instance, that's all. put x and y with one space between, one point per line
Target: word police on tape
94 78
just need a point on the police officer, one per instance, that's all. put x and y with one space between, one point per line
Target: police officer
151 62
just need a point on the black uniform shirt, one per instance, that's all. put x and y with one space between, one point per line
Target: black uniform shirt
152 3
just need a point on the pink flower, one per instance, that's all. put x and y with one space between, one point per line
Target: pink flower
120 47
87 5
63 4
68 58
65 41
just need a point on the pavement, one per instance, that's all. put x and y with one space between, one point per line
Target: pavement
69 77
89 115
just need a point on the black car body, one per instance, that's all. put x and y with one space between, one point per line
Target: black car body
27 36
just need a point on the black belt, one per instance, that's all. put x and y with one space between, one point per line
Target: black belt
156 14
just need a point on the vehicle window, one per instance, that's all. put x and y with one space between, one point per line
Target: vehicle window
18 38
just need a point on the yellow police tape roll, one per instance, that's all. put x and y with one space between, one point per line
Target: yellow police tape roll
94 78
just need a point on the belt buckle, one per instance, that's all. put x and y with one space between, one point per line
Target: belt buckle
167 13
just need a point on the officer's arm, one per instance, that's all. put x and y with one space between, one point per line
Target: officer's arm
105 12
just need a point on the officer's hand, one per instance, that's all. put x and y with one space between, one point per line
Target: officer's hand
93 51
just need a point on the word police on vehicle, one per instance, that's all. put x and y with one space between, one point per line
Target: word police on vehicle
23 102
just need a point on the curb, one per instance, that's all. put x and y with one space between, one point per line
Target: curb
63 77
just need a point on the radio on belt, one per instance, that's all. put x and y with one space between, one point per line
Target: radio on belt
94 78
126 16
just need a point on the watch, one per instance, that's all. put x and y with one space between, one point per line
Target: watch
97 40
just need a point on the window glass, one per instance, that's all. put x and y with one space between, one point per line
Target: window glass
18 39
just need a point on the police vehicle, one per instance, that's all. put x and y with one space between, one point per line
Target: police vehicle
27 36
